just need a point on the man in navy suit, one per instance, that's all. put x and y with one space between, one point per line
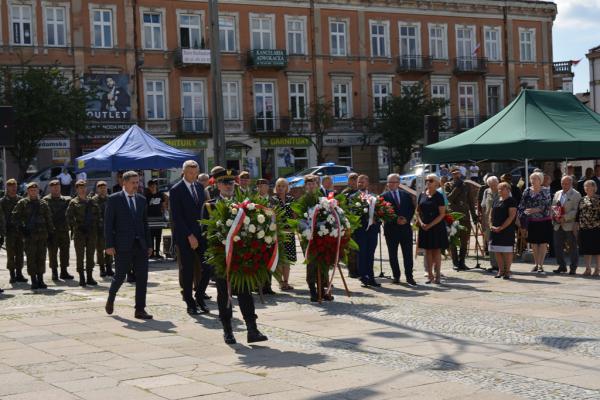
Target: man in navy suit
366 237
399 232
128 241
186 199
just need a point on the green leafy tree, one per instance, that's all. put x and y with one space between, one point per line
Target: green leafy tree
46 104
320 118
401 121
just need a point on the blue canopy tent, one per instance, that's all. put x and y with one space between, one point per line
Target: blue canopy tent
134 149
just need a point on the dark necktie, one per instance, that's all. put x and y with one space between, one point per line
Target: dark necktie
194 194
396 198
131 205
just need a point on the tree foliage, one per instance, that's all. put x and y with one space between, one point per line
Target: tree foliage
46 104
320 117
402 119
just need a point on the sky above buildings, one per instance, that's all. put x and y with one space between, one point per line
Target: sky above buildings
576 30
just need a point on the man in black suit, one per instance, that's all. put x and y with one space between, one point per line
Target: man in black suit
128 241
225 183
399 233
186 199
366 237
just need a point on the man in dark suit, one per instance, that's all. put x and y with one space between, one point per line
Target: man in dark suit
366 237
399 232
186 198
128 241
327 186
225 183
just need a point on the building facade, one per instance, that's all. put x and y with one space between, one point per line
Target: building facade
148 62
593 57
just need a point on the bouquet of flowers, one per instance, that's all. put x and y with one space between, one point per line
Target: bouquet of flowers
384 210
453 226
245 241
376 209
558 212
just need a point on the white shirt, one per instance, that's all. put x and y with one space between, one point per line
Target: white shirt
82 176
189 186
474 170
65 178
127 196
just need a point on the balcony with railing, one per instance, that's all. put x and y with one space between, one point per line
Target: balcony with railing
466 122
470 65
562 67
269 124
414 63
267 58
193 125
186 57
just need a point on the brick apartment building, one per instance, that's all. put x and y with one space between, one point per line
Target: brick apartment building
149 62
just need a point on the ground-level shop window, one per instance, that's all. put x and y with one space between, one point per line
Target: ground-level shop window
345 155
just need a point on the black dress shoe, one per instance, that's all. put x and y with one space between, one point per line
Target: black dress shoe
229 338
396 281
462 268
268 290
411 282
560 270
365 282
373 282
206 297
193 311
19 277
572 270
109 307
142 314
202 305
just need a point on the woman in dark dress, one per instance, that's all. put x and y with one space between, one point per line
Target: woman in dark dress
502 231
588 223
284 201
433 236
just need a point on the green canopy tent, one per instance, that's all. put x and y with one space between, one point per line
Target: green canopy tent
538 124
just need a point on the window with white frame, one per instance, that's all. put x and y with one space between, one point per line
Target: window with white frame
465 47
467 105
227 34
192 104
56 26
190 31
264 106
298 102
338 34
494 98
155 99
231 100
410 45
262 32
493 47
296 34
441 90
380 38
153 37
381 92
529 83
21 24
438 42
102 28
527 44
345 155
342 109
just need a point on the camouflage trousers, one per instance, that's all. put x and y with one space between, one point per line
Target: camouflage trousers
59 242
102 258
35 249
14 251
85 246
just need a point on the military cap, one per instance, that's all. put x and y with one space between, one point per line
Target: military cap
245 175
153 182
216 170
225 175
11 181
455 169
311 178
101 183
262 181
31 185
54 182
80 182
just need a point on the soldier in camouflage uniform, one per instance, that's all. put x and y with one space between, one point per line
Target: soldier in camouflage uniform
34 218
104 260
14 239
60 241
84 216
2 234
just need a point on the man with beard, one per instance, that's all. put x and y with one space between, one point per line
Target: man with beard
366 237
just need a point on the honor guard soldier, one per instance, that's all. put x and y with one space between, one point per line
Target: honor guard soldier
225 180
59 241
14 238
84 216
104 260
33 216
213 190
2 234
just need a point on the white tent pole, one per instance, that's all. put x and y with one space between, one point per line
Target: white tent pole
526 173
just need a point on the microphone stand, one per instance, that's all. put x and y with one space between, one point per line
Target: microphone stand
381 274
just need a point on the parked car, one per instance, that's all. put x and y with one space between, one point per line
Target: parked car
339 174
45 175
410 179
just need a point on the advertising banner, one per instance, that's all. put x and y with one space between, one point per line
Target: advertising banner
110 97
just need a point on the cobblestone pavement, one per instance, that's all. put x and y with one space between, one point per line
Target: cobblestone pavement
473 337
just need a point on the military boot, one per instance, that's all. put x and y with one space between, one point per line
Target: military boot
90 279
34 284
13 276
40 282
64 274
254 334
54 274
313 292
228 332
102 271
82 279
20 277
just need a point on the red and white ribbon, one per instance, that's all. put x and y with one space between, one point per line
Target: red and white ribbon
371 201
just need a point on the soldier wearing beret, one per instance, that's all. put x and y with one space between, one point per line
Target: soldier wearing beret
242 188
84 217
213 191
14 238
104 260
33 216
59 241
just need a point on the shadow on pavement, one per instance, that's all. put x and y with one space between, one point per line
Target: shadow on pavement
261 356
147 325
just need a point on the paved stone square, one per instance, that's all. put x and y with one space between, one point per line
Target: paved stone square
473 337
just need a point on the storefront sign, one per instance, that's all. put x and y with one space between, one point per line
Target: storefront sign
110 97
54 144
287 141
268 58
195 56
343 140
61 156
186 143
